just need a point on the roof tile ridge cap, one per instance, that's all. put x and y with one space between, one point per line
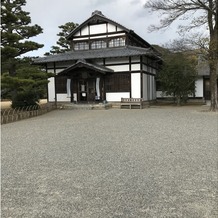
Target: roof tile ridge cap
97 12
81 60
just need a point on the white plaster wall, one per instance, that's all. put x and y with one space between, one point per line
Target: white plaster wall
81 39
63 98
119 29
136 85
116 96
100 28
135 67
51 89
98 37
118 34
85 31
199 92
111 28
119 68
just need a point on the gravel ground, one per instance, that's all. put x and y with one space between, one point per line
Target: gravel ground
152 163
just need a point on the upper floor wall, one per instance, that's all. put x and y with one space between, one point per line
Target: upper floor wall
99 32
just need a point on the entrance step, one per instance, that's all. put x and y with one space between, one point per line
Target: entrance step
72 106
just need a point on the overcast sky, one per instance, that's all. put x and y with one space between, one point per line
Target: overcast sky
50 14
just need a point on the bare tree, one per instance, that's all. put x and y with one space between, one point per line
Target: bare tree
199 13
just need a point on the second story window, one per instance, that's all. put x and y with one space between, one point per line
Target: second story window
81 46
98 44
117 42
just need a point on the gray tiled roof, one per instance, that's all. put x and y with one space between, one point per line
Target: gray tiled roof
98 53
83 63
204 69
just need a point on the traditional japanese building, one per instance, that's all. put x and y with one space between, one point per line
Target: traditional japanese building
107 62
202 83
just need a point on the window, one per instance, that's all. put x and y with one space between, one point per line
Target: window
81 46
117 83
98 44
118 42
61 84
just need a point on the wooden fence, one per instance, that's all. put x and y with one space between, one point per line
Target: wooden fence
12 115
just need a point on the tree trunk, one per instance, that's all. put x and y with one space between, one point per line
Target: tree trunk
12 73
178 99
213 87
213 52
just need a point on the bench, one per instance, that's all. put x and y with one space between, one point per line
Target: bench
131 101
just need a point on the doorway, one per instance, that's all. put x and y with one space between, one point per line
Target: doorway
86 90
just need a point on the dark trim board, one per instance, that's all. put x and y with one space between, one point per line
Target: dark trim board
141 80
117 64
55 84
130 65
100 34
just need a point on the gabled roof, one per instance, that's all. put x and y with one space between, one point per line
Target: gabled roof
85 64
97 17
203 69
98 53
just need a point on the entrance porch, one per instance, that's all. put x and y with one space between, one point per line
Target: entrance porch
85 82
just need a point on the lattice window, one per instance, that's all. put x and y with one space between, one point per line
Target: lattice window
81 46
118 83
117 42
98 44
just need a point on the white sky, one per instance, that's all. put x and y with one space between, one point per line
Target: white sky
50 14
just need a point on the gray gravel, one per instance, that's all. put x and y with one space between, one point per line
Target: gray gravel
156 162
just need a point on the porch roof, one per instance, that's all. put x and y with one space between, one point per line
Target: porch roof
98 53
84 64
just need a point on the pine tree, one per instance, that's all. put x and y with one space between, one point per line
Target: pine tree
30 83
15 32
63 44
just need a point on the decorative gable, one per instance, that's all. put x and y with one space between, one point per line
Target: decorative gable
100 32
97 24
